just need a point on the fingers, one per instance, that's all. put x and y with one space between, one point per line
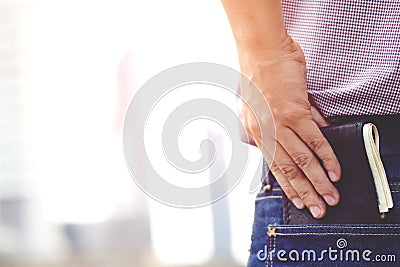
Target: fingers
318 118
280 175
311 135
295 184
286 186
299 151
309 165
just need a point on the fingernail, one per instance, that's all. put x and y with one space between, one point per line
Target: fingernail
315 211
333 176
298 203
330 200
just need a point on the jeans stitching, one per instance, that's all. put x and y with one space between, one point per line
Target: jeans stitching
275 237
261 198
334 233
337 226
270 245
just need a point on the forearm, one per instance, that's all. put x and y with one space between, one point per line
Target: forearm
256 24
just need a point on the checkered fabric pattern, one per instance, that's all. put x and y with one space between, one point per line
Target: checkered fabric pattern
352 50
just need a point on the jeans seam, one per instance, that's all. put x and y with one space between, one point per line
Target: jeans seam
337 226
272 245
275 237
261 198
335 233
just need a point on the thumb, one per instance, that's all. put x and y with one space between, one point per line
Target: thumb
318 118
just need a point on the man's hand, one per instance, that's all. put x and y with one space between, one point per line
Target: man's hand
271 59
304 164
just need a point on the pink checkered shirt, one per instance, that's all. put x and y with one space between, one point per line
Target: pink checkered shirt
352 50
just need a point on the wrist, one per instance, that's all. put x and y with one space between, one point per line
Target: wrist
256 23
269 40
270 54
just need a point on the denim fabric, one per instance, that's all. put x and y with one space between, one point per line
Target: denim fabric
276 244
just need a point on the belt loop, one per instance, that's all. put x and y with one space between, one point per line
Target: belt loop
267 176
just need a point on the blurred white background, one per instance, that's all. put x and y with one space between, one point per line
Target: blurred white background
68 70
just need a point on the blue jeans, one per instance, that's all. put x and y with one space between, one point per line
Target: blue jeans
276 244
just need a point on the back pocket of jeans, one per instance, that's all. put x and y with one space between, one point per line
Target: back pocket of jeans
332 245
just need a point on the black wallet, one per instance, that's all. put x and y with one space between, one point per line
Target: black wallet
359 201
